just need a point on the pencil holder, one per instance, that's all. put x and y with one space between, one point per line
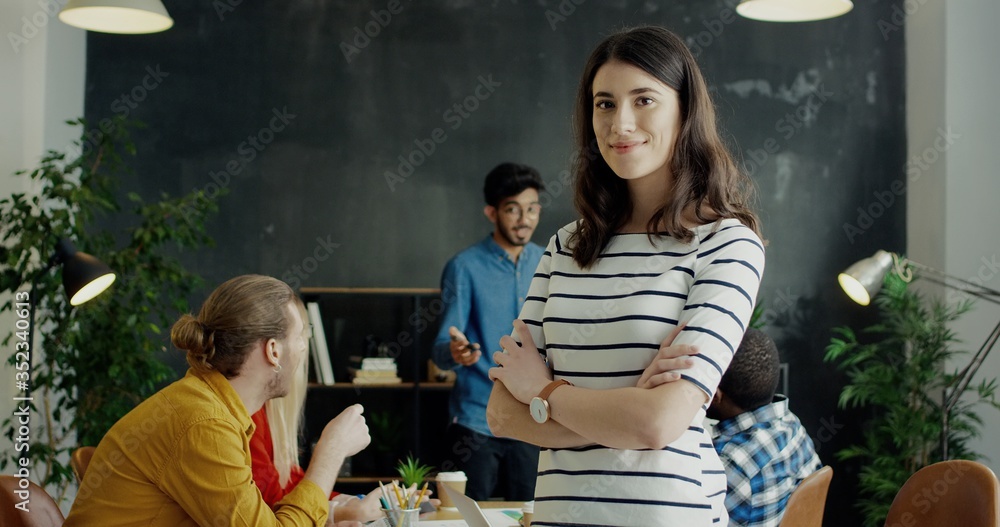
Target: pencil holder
402 518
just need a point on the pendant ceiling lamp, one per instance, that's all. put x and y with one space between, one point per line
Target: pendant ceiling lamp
117 16
793 10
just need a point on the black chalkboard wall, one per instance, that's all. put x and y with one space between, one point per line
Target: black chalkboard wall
300 109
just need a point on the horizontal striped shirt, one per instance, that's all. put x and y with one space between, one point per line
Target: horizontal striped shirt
601 327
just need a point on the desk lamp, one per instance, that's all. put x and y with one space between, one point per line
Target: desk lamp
862 282
84 277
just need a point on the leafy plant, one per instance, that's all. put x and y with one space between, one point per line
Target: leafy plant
412 472
386 431
99 359
756 317
899 377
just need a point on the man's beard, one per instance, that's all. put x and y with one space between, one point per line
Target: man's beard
276 386
507 235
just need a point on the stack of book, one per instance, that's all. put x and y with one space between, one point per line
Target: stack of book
377 370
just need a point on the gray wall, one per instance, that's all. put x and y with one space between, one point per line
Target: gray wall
40 88
973 246
953 89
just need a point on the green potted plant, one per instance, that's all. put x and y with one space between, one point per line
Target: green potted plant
387 435
101 359
898 373
412 471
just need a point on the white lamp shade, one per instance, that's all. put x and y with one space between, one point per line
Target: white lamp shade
84 276
863 280
793 10
117 16
854 289
92 289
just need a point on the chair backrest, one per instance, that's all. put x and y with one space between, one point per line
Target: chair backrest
42 510
79 461
808 501
956 492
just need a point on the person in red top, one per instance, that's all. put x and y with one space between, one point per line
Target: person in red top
274 453
345 511
265 473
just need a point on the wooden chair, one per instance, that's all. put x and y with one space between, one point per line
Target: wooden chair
79 461
808 501
956 492
43 511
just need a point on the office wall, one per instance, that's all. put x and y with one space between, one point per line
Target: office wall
972 248
953 219
11 155
41 87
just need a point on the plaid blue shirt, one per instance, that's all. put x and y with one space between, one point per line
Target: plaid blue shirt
766 453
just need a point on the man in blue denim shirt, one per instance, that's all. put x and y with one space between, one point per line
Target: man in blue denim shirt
484 287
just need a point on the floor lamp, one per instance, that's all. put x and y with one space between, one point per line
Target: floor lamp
83 276
863 280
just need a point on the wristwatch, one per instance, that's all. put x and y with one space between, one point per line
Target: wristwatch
539 406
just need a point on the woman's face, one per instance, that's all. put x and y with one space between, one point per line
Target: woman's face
636 120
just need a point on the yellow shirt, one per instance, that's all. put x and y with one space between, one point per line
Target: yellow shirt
182 457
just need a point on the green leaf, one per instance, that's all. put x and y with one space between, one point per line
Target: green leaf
412 472
101 358
897 374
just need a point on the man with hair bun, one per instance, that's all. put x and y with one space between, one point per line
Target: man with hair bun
182 457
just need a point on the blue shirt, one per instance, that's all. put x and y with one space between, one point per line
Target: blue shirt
766 453
483 291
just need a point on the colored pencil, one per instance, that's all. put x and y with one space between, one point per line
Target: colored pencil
385 495
399 497
423 492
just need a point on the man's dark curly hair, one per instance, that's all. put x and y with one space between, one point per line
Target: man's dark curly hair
752 377
510 179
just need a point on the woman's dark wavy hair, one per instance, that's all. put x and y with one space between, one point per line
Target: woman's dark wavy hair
703 169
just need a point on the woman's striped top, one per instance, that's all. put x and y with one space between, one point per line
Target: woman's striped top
601 327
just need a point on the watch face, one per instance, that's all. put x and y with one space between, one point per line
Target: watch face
539 410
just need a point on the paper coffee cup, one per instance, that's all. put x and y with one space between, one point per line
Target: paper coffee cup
456 482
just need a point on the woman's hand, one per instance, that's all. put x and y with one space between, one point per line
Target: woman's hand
668 359
365 509
521 369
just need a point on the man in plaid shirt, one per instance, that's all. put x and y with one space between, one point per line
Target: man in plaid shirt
762 444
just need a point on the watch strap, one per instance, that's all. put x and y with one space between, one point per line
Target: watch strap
550 387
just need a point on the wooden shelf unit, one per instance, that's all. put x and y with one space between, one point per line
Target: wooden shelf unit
400 316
